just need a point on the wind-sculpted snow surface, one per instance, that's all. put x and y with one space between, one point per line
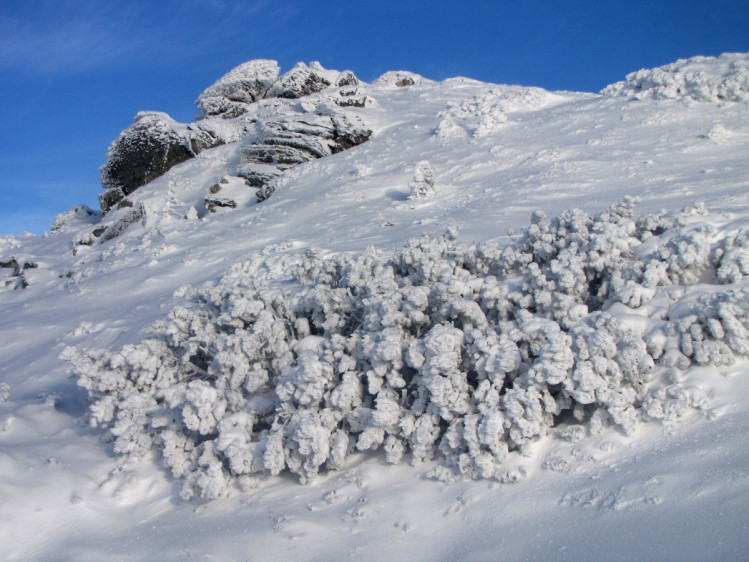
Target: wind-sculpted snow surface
464 354
704 79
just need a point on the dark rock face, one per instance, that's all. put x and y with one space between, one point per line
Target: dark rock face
350 97
212 204
256 178
130 215
264 192
347 78
110 198
217 197
348 134
146 150
301 81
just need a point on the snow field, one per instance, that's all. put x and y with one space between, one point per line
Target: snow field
675 488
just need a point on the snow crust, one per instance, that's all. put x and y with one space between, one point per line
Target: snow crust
675 488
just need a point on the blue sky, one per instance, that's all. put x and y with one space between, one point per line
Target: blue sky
73 74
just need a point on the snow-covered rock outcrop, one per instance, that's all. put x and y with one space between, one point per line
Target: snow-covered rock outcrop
243 85
296 136
704 79
75 218
155 142
303 80
146 150
15 270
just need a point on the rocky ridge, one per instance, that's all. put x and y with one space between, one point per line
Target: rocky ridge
251 104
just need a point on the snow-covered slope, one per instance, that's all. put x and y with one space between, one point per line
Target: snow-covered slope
496 154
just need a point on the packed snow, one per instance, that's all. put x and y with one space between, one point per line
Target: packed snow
510 324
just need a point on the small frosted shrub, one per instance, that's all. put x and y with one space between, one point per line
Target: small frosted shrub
422 184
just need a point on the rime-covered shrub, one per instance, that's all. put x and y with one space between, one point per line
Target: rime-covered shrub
703 79
731 257
422 183
444 351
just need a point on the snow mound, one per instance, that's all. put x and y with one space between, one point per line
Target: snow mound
231 93
704 79
463 354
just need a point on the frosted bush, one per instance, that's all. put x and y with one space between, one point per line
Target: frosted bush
422 183
731 257
444 351
704 79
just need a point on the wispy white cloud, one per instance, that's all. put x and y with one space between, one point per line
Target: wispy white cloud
47 37
53 36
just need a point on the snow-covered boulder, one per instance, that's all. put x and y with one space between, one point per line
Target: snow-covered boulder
243 85
15 269
75 218
112 225
146 150
229 192
303 80
703 79
401 79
